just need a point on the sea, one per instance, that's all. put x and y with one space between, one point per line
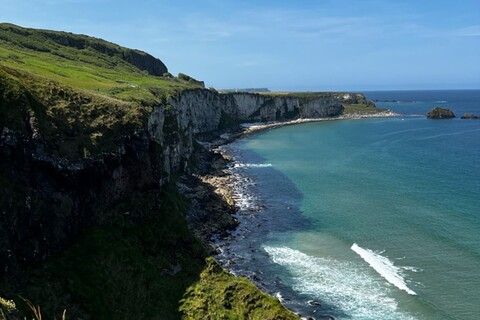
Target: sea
369 219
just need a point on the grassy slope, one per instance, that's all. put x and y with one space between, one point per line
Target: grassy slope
74 123
81 102
217 295
361 109
87 69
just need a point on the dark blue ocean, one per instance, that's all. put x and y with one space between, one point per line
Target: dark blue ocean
365 219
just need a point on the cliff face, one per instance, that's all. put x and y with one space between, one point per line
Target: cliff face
199 111
47 200
206 110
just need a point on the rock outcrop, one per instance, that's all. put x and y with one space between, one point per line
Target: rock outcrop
440 113
470 116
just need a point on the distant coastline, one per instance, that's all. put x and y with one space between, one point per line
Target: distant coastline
251 128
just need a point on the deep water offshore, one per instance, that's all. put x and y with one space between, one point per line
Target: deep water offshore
365 219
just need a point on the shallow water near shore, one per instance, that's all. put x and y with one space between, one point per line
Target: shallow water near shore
365 219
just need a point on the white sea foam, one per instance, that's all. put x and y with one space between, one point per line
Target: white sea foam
384 267
252 165
345 285
279 296
244 199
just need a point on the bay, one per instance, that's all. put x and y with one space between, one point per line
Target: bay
366 219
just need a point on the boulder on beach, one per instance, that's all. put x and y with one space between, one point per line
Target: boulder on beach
470 116
440 113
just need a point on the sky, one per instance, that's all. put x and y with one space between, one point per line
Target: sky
284 45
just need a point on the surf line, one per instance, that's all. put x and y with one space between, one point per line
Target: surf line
384 267
252 165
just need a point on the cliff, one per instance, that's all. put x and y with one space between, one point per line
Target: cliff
90 221
55 174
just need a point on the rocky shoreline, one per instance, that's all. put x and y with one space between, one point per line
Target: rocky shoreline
211 187
214 214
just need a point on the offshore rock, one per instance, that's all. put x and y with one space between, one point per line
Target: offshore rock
440 113
470 116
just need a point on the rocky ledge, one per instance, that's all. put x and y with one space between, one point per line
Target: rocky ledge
440 113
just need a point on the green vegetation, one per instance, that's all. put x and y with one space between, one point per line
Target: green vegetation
73 123
152 270
219 295
305 97
7 309
191 80
83 62
122 270
80 94
351 109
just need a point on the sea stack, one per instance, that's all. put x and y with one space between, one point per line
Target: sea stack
440 113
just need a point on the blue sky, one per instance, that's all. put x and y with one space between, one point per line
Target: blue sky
284 45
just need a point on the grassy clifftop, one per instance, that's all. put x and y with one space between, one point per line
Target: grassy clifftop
74 123
77 93
86 63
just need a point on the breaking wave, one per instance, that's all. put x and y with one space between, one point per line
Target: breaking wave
252 165
384 267
343 285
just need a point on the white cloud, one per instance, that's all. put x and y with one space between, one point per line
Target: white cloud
471 31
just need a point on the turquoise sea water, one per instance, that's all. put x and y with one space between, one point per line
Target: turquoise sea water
366 219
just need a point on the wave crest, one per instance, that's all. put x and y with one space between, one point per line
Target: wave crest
252 165
384 267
